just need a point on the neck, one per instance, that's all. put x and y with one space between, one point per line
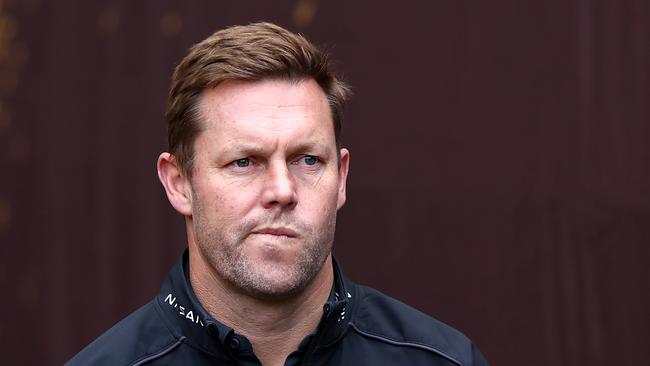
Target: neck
274 328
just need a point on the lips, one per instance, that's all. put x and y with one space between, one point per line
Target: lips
277 231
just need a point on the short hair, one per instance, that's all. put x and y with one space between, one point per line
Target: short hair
252 52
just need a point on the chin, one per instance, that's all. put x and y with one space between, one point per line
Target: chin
273 253
269 270
277 277
275 288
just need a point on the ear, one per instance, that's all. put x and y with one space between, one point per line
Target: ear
343 176
177 185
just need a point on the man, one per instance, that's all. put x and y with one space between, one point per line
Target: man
256 168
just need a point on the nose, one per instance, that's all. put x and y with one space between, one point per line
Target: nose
280 187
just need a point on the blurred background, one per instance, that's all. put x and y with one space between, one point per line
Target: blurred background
500 174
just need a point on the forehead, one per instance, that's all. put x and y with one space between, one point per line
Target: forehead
266 111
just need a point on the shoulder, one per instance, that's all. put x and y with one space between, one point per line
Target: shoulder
141 335
394 323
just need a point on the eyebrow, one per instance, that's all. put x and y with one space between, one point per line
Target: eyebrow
254 149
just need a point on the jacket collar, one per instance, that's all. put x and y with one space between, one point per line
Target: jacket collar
186 317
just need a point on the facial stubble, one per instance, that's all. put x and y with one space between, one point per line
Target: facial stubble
224 250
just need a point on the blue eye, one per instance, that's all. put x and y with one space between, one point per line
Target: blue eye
242 163
310 160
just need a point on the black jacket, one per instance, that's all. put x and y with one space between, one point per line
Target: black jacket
360 326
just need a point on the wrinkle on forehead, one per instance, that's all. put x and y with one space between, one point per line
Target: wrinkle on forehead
268 98
272 113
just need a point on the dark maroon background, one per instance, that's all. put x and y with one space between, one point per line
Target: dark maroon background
500 173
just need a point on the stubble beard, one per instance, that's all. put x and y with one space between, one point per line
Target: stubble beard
225 253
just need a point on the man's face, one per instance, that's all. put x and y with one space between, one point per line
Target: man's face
266 184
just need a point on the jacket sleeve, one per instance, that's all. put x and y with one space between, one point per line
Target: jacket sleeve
477 357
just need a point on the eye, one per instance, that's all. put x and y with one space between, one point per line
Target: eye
310 160
242 163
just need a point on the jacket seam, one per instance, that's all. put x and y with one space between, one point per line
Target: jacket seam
405 344
158 354
188 341
161 315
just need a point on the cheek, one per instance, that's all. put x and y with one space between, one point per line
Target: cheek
228 210
224 199
235 207
321 203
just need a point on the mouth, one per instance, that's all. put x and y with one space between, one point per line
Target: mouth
277 231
